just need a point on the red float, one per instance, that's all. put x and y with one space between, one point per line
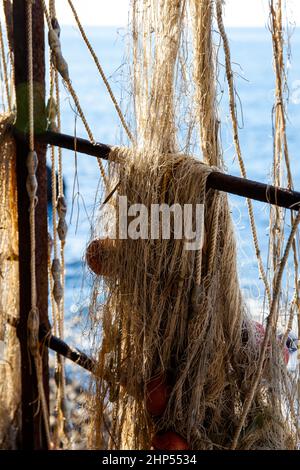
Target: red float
99 254
157 396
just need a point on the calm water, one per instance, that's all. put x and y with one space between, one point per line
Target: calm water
251 49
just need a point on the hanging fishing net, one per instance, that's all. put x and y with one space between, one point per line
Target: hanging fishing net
179 364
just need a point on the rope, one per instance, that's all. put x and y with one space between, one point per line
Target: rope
58 269
270 323
278 62
30 77
61 207
53 304
281 149
47 16
60 171
214 236
280 136
232 106
100 70
52 8
31 184
199 251
53 176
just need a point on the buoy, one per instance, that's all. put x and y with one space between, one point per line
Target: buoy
157 395
99 254
169 441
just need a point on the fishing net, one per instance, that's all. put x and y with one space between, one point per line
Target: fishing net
179 354
180 363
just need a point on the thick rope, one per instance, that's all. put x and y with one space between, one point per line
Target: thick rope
214 236
47 16
198 269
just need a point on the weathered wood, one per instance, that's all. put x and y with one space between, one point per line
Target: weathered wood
33 433
216 180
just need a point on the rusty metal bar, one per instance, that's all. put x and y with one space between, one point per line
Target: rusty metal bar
62 348
216 180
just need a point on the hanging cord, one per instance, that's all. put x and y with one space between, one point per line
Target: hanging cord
56 271
280 150
270 325
214 236
280 139
101 72
60 202
31 184
198 292
60 229
276 213
232 102
277 40
56 266
5 72
198 270
62 67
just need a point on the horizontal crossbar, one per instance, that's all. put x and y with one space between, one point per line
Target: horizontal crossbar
216 180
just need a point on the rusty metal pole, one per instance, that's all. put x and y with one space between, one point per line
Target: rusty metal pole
33 432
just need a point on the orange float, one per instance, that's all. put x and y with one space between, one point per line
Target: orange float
99 254
157 396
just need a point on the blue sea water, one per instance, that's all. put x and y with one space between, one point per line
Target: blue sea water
252 57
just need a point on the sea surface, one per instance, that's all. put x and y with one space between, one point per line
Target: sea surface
252 57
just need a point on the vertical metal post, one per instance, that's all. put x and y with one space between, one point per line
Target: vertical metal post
33 432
